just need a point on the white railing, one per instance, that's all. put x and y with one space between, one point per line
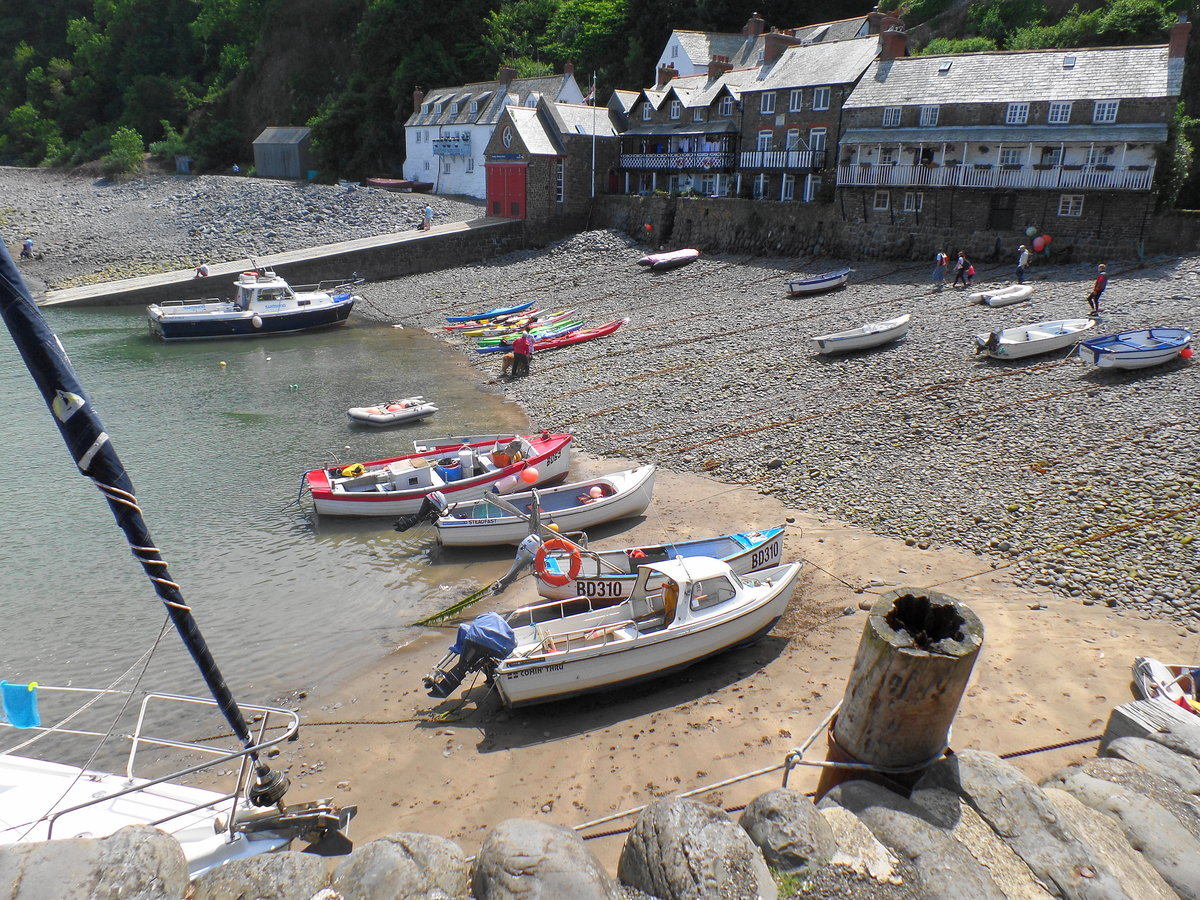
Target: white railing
679 161
782 159
1125 178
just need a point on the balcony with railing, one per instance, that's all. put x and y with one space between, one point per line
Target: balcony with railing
702 161
452 146
782 159
1091 178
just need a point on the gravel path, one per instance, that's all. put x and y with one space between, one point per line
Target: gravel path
1082 481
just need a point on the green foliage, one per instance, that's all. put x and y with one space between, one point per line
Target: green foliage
528 68
125 153
923 10
995 19
1120 22
1178 156
30 139
964 45
170 146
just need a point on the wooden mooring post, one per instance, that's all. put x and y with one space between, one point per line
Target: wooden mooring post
914 659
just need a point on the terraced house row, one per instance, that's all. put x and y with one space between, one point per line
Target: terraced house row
833 113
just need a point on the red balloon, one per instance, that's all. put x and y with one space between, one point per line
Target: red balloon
1185 353
648 226
1046 239
1038 244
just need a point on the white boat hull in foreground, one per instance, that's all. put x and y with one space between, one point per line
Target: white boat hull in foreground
873 334
1137 349
1030 340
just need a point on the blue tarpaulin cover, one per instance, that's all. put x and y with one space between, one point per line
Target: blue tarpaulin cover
489 631
20 704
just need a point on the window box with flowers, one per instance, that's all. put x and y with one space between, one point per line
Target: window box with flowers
1042 166
1011 166
1140 168
954 162
1103 167
983 165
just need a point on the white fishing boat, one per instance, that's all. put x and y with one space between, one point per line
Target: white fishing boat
872 334
393 412
672 260
817 284
568 507
1005 296
264 304
679 613
610 575
1137 349
1030 340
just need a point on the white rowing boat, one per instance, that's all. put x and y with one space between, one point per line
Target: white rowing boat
870 335
1030 340
818 283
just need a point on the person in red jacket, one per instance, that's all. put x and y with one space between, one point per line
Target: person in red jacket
1098 289
522 353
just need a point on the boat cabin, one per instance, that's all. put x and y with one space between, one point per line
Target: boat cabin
263 289
680 590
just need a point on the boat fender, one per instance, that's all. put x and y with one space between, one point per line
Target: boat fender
557 579
353 470
256 321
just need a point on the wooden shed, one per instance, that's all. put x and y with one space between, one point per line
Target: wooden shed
283 152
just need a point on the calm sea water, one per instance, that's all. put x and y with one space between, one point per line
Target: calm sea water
216 453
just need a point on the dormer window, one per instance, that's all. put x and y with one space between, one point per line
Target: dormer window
474 107
437 110
647 111
676 110
1105 112
1017 114
698 114
726 108
454 108
1059 113
532 100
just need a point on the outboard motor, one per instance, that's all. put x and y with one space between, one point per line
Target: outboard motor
991 345
479 646
432 506
526 553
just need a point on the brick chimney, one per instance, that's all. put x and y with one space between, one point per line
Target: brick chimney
665 74
505 76
1180 32
754 26
775 43
879 21
568 68
893 43
418 97
718 65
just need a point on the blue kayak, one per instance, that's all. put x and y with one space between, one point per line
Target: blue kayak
492 313
505 348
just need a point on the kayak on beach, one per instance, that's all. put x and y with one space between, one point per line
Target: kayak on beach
493 313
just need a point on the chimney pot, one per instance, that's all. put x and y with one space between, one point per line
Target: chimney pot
418 96
775 43
893 43
506 75
718 65
754 26
1181 31
568 68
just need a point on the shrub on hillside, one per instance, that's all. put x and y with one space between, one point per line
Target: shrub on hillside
125 153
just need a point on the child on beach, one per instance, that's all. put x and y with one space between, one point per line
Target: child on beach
1093 298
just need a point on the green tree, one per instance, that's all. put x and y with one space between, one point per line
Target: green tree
125 154
964 45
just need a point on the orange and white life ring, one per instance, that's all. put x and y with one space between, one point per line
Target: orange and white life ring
557 579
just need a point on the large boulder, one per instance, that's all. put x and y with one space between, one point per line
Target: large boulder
1169 847
685 850
1021 813
789 830
858 849
403 865
1154 757
525 860
135 863
1143 782
947 872
269 876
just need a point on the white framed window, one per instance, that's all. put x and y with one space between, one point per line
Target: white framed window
676 110
1017 114
1098 156
761 184
474 107
816 139
470 164
767 104
1059 113
796 100
437 109
1070 205
726 108
647 112
698 114
811 188
426 165
882 199
674 51
708 185
1011 156
789 188
793 139
914 201
425 107
887 156
891 117
445 165
764 140
454 108
531 101
929 116
1105 112
560 180
820 98
1052 156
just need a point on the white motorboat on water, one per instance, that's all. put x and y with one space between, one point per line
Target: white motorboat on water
1030 340
568 507
393 412
1005 296
264 304
678 613
872 334
817 284
1136 349
672 260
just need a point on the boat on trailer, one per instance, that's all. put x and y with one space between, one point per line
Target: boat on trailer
1136 349
863 337
679 612
264 303
818 284
1030 340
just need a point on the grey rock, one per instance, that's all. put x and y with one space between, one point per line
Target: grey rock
857 848
270 876
684 850
531 860
1021 813
1143 782
789 830
135 863
403 865
1163 762
947 872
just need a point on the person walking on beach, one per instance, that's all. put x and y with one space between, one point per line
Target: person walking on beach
1024 258
427 218
940 261
960 270
27 248
1098 289
970 272
522 353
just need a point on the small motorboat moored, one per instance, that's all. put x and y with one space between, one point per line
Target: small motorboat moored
871 335
817 284
678 613
660 261
392 412
1014 293
1136 349
1030 340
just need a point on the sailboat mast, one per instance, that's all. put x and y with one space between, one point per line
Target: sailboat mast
92 450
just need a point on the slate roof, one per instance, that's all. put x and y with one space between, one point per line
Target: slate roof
742 51
533 132
579 118
282 134
842 30
1107 73
489 95
808 65
624 99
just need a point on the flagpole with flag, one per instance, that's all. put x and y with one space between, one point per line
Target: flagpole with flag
592 100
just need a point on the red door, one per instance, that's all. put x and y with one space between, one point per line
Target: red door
506 191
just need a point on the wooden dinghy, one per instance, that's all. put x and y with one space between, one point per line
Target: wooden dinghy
818 283
1014 293
872 334
1030 340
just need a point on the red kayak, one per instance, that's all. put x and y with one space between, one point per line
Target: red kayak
578 337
